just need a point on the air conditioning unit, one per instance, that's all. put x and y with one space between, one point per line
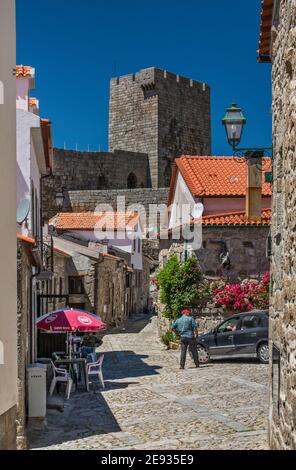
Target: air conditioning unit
37 390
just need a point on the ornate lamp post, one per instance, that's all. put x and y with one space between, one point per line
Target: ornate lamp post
234 122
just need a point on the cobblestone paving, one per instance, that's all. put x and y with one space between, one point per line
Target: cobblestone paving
149 403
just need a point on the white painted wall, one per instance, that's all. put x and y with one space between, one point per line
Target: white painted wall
22 93
8 324
220 205
182 196
28 168
120 241
212 205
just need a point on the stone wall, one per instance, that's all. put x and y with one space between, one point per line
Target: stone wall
86 171
23 340
282 431
246 247
8 430
161 114
87 201
109 289
207 318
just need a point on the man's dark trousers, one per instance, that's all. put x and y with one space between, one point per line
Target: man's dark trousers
191 343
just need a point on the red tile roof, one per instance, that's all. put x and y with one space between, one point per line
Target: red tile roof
28 240
33 102
215 176
24 71
265 30
236 219
89 220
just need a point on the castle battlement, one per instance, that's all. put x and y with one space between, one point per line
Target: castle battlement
161 114
154 75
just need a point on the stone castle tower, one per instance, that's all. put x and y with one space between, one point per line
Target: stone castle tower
161 114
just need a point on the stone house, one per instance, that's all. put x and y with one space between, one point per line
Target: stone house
278 46
8 310
228 244
232 233
92 277
219 183
119 230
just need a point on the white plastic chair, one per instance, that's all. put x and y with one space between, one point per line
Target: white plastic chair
95 368
61 375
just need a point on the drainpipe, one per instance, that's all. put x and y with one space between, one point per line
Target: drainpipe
43 177
33 348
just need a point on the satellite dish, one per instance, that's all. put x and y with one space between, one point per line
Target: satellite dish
197 211
23 211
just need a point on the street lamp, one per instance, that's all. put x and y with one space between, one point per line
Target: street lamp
234 122
60 198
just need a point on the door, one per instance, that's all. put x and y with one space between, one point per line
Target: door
248 334
224 338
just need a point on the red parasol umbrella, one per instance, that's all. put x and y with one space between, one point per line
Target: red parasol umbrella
70 321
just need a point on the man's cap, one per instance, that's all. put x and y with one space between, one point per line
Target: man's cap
185 312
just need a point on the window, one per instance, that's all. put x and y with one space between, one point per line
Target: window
229 325
250 321
132 182
76 285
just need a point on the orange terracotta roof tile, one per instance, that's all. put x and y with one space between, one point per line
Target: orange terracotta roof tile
24 71
265 30
28 240
236 219
89 220
216 176
107 255
33 102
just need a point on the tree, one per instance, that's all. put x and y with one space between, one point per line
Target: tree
180 285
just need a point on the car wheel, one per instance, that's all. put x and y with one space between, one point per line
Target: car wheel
263 353
203 354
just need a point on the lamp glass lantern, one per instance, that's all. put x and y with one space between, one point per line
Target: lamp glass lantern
60 198
234 122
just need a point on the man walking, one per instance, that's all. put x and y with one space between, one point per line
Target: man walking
186 328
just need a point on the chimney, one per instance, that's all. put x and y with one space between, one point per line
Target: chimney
254 186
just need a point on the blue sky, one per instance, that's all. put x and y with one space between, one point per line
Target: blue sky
77 46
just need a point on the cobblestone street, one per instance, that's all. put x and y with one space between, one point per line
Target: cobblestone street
149 403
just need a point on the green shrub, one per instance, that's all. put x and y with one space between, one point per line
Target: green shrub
169 337
180 286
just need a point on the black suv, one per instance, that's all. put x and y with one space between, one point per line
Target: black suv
244 335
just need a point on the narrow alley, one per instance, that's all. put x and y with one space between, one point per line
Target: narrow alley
150 404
